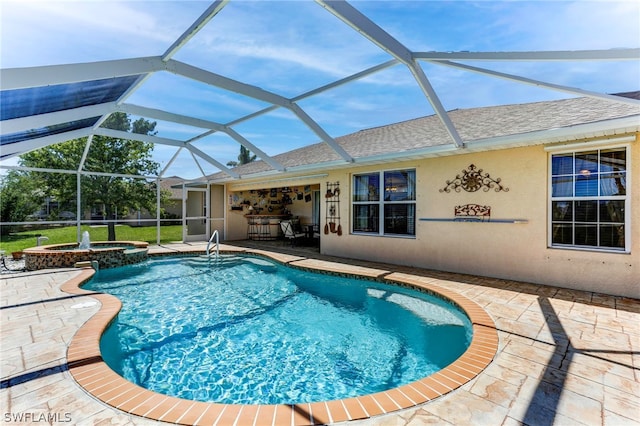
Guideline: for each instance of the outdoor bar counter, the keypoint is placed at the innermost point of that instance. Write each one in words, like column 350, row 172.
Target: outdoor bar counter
column 264, row 226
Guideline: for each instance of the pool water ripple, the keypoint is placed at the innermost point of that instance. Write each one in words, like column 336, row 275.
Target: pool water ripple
column 252, row 332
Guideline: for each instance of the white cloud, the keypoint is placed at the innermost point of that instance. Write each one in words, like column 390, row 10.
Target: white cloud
column 262, row 37
column 568, row 25
column 51, row 32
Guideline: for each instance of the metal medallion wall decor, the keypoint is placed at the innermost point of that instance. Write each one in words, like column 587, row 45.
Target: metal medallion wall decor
column 472, row 179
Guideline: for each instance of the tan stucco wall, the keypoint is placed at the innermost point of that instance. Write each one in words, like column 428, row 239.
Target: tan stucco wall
column 501, row 250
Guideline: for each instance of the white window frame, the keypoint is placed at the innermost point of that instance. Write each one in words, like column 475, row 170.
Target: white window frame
column 578, row 149
column 382, row 203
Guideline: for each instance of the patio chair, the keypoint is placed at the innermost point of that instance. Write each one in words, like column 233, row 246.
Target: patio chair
column 289, row 234
column 315, row 233
column 252, row 228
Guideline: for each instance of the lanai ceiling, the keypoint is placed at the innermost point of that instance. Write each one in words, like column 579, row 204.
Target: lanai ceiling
column 44, row 105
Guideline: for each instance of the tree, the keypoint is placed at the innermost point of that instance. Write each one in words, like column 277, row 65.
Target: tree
column 106, row 155
column 18, row 198
column 245, row 157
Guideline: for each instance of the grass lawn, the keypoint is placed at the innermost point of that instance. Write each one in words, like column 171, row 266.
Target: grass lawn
column 22, row 240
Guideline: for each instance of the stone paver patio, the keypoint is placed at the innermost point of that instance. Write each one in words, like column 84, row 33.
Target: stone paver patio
column 565, row 357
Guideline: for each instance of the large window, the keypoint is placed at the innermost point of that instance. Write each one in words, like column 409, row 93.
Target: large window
column 384, row 203
column 589, row 199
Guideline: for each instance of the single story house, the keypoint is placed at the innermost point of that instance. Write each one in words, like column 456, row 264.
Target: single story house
column 544, row 192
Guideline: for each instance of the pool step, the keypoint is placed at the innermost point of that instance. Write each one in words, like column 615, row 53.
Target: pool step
column 87, row 264
column 131, row 252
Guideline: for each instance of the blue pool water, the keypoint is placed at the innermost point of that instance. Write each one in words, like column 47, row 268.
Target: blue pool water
column 247, row 331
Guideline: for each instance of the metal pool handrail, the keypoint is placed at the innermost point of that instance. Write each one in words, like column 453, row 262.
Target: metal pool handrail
column 217, row 245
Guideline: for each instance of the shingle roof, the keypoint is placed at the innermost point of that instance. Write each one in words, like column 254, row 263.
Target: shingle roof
column 170, row 184
column 472, row 124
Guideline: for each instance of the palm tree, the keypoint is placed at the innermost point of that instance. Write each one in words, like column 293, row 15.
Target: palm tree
column 245, row 157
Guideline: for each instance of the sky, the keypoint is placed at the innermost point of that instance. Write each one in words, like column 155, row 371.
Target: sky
column 291, row 47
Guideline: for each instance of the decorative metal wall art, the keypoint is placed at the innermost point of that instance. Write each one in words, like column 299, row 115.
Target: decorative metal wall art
column 332, row 198
column 472, row 179
column 472, row 212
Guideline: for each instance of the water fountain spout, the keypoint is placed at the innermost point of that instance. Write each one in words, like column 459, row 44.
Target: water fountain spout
column 86, row 243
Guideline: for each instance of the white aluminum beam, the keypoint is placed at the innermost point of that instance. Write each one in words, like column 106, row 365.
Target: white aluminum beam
column 197, row 122
column 170, row 162
column 123, row 175
column 162, row 141
column 102, row 131
column 349, row 79
column 195, row 160
column 557, row 87
column 132, row 89
column 256, row 93
column 105, row 69
column 213, row 161
column 16, row 148
column 253, row 115
column 201, row 136
column 318, row 90
column 433, row 98
column 159, row 114
column 199, row 23
column 253, row 148
column 374, row 33
column 177, row 45
column 245, row 142
column 85, row 153
column 213, row 79
column 31, row 122
column 306, row 119
column 101, row 121
column 558, row 55
column 20, row 78
column 38, row 169
column 320, row 132
column 356, row 20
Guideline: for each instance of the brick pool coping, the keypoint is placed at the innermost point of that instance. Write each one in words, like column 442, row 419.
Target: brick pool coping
column 87, row 367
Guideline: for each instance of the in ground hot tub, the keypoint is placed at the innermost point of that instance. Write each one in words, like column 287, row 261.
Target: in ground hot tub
column 108, row 254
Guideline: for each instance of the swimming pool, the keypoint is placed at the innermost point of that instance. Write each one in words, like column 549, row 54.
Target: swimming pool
column 248, row 331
